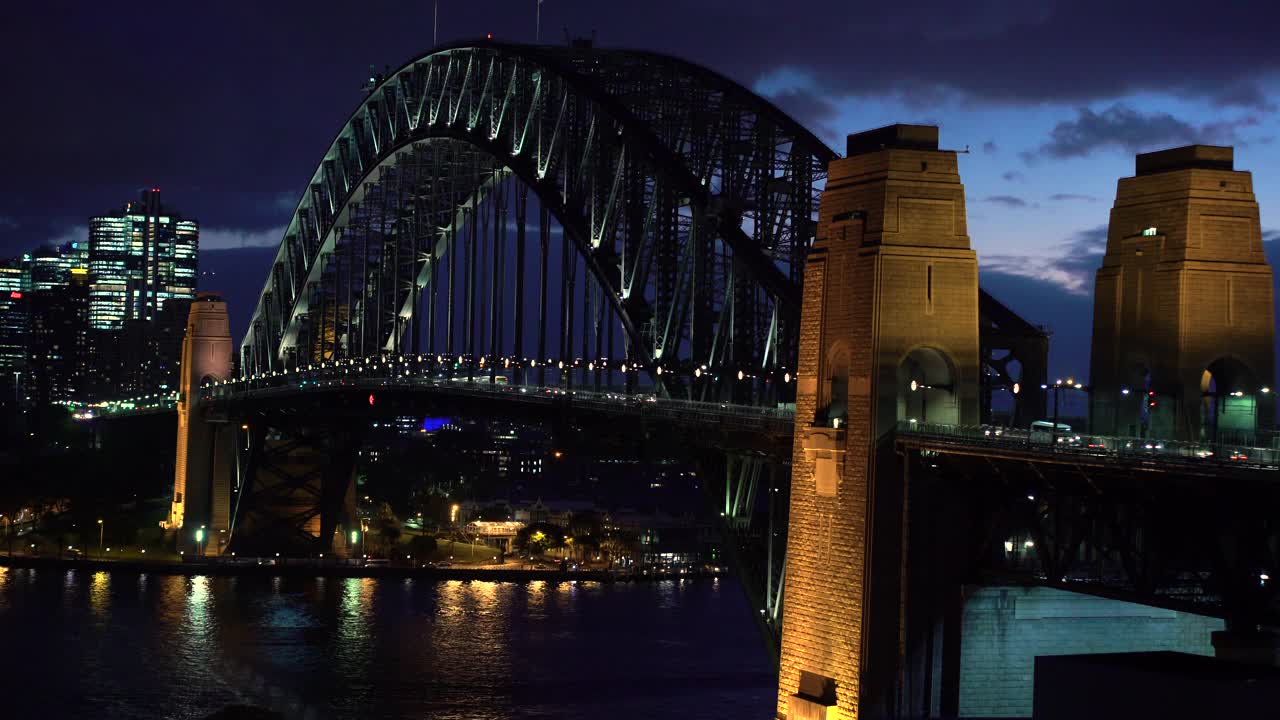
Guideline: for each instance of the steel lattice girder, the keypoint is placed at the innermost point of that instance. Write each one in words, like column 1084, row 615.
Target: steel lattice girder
column 690, row 199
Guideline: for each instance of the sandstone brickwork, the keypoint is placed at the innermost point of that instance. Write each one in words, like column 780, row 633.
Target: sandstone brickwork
column 1184, row 287
column 891, row 280
column 201, row 483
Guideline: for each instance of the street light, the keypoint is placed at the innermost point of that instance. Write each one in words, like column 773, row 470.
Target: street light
column 99, row 537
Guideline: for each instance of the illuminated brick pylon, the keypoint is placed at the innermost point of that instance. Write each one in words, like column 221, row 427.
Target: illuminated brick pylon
column 1183, row 314
column 889, row 332
column 201, row 510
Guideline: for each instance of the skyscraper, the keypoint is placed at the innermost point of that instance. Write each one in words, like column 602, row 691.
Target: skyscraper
column 58, row 340
column 53, row 267
column 15, row 319
column 140, row 258
column 142, row 275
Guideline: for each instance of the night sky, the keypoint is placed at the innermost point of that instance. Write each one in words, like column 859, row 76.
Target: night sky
column 229, row 106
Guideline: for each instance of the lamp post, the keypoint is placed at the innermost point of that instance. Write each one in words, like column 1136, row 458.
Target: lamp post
column 924, row 400
column 1115, row 412
column 1058, row 387
column 100, row 537
column 923, row 389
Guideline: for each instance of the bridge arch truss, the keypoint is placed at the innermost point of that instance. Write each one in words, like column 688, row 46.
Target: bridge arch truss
column 685, row 205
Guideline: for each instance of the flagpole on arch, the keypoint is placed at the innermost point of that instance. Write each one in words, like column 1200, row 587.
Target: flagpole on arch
column 537, row 33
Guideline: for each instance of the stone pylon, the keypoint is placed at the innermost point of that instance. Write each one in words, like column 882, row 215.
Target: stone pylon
column 200, row 514
column 889, row 333
column 1183, row 314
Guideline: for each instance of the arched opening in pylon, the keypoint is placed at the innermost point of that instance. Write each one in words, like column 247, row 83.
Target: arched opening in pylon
column 926, row 388
column 1228, row 400
column 833, row 391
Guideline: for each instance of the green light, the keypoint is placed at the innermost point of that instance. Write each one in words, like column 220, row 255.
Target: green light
column 200, row 535
column 354, row 535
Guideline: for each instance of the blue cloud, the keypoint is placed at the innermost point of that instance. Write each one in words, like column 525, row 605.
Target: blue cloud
column 1120, row 126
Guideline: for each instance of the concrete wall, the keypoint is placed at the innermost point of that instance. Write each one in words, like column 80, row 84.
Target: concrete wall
column 1005, row 628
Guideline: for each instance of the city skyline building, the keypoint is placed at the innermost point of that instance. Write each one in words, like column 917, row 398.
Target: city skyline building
column 140, row 258
column 143, row 270
column 15, row 288
column 55, row 267
column 59, row 339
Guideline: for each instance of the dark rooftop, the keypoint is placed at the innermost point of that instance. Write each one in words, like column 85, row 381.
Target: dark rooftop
column 913, row 137
column 1206, row 157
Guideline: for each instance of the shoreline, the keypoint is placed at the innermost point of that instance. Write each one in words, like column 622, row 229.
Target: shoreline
column 302, row 567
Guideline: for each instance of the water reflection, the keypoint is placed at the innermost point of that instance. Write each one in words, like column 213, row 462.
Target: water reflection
column 353, row 626
column 359, row 647
column 100, row 593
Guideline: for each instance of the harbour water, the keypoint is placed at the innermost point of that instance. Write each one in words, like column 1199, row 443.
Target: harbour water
column 81, row 643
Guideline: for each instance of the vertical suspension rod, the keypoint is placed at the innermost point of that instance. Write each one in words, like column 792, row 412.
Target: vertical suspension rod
column 351, row 281
column 324, row 310
column 495, row 278
column 522, row 198
column 364, row 284
column 472, row 251
column 450, row 257
column 566, row 310
column 544, row 239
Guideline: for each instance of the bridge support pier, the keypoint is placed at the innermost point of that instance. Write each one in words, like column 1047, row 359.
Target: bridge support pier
column 753, row 529
column 298, row 496
column 200, row 514
column 889, row 332
column 1183, row 318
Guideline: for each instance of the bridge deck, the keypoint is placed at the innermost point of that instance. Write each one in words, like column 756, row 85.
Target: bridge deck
column 1071, row 448
column 1204, row 458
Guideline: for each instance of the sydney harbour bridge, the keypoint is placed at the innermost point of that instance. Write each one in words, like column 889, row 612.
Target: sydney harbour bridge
column 639, row 251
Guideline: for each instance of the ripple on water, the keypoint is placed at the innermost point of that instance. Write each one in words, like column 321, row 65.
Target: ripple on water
column 121, row 645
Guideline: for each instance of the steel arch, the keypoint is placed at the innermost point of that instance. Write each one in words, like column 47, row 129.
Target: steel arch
column 689, row 198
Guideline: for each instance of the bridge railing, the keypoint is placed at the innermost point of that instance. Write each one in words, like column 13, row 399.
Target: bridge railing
column 382, row 376
column 1068, row 442
column 145, row 404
